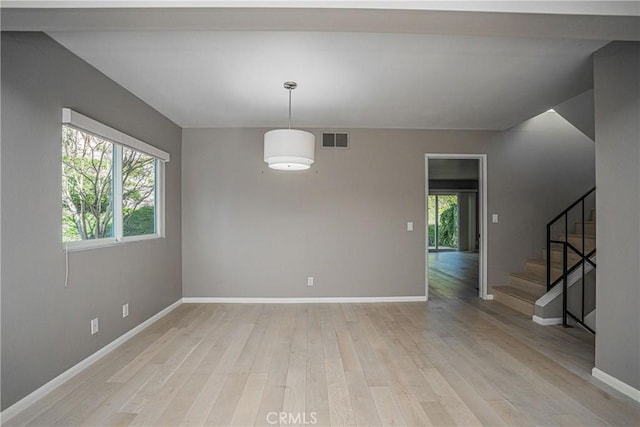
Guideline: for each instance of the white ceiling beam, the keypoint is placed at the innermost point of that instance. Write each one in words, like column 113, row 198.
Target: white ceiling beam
column 571, row 7
column 334, row 20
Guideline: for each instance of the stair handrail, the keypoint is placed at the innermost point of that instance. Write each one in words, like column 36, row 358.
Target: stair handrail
column 584, row 258
column 571, row 206
column 565, row 214
column 565, row 275
column 574, row 267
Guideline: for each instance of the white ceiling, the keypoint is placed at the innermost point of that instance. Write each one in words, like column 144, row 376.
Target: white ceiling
column 365, row 80
column 356, row 68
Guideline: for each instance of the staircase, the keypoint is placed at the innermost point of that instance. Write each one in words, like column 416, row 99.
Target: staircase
column 527, row 287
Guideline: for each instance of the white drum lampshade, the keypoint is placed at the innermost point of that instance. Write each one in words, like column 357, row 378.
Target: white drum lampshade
column 289, row 149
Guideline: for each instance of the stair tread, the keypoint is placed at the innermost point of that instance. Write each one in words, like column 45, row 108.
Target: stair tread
column 540, row 261
column 586, row 236
column 531, row 277
column 556, row 251
column 520, row 293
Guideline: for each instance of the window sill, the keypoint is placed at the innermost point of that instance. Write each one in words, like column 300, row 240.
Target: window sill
column 84, row 245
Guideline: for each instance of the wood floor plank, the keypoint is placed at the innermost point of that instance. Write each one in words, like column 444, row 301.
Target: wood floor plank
column 215, row 367
column 317, row 398
column 270, row 404
column 295, row 391
column 113, row 402
column 330, row 346
column 340, row 409
column 175, row 411
column 339, row 320
column 269, row 342
column 437, row 414
column 449, row 399
column 407, row 395
column 373, row 372
column 118, row 419
column 226, row 404
column 364, row 408
column 145, row 357
column 461, row 383
column 249, row 353
column 166, row 395
column 406, row 373
column 73, row 394
column 200, row 362
column 348, row 353
column 249, row 402
column 387, row 407
column 151, row 395
column 272, row 401
column 201, row 406
column 510, row 415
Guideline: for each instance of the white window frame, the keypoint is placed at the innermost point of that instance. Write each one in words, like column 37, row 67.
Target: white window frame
column 119, row 140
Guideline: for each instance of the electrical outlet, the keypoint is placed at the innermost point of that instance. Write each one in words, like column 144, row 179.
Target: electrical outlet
column 94, row 326
column 125, row 310
column 494, row 218
column 410, row 226
column 309, row 281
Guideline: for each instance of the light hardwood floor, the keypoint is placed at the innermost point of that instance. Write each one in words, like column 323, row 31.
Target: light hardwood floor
column 455, row 360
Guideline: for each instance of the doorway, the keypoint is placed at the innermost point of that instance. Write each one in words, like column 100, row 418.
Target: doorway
column 455, row 216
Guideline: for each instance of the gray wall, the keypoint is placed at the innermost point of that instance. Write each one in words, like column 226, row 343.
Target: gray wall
column 617, row 108
column 544, row 164
column 579, row 112
column 249, row 231
column 45, row 326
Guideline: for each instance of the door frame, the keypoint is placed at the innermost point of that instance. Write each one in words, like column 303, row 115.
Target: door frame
column 482, row 212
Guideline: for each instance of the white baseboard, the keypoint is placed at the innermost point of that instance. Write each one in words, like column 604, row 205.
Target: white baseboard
column 33, row 397
column 546, row 321
column 615, row 383
column 296, row 300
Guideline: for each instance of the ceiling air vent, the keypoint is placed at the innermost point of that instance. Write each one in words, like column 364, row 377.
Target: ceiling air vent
column 335, row 140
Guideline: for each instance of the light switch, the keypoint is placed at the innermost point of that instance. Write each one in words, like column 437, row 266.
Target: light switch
column 410, row 226
column 494, row 218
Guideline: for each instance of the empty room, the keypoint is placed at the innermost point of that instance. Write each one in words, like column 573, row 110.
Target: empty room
column 346, row 213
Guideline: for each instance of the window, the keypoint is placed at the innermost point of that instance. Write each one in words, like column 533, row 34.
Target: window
column 112, row 185
column 443, row 221
column 138, row 193
column 87, row 186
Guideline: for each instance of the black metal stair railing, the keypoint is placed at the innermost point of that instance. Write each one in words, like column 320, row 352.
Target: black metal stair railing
column 584, row 258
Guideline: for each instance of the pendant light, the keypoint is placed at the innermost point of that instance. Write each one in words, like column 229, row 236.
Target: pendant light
column 289, row 149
